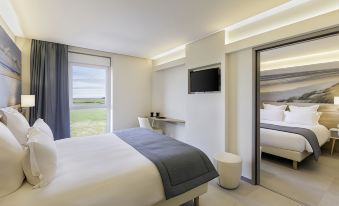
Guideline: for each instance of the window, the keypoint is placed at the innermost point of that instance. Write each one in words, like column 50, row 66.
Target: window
column 90, row 111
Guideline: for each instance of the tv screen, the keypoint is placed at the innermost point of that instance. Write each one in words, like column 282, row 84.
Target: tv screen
column 207, row 80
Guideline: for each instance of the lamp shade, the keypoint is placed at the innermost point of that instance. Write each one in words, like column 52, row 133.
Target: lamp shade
column 27, row 100
column 336, row 100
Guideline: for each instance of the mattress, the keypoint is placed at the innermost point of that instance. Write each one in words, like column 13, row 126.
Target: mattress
column 99, row 170
column 290, row 141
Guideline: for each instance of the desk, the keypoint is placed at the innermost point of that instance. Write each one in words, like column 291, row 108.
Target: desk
column 170, row 120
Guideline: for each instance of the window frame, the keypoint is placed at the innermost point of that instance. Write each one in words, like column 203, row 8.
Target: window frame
column 106, row 105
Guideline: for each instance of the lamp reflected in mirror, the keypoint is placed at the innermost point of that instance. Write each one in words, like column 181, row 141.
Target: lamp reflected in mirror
column 336, row 100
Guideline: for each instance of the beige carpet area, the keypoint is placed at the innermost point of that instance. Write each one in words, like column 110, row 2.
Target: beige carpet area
column 314, row 183
column 245, row 195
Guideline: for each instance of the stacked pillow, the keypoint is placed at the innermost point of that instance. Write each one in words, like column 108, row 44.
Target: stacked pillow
column 275, row 107
column 313, row 108
column 303, row 115
column 272, row 115
column 16, row 123
column 40, row 160
column 25, row 151
column 11, row 154
column 297, row 115
column 272, row 112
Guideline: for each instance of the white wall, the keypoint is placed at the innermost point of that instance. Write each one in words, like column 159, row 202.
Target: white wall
column 205, row 126
column 169, row 93
column 131, row 90
column 240, row 107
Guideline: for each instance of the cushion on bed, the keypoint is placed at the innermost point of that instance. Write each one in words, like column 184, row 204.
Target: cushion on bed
column 275, row 107
column 26, row 165
column 11, row 154
column 271, row 115
column 312, row 108
column 302, row 117
column 16, row 123
column 40, row 162
column 42, row 126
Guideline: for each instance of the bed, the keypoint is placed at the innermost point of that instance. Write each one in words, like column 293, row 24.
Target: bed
column 102, row 170
column 294, row 146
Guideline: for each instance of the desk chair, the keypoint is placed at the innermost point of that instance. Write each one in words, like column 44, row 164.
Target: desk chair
column 144, row 123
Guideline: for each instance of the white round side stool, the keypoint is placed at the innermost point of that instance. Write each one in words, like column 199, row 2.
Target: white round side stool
column 229, row 169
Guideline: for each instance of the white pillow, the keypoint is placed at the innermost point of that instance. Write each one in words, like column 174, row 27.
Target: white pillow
column 11, row 154
column 271, row 115
column 275, row 107
column 42, row 126
column 312, row 108
column 303, row 117
column 16, row 123
column 26, row 165
column 41, row 166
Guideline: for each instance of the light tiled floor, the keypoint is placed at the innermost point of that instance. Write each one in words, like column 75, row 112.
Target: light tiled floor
column 245, row 195
column 314, row 183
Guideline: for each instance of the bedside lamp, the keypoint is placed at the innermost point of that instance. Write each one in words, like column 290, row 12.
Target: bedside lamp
column 336, row 100
column 26, row 102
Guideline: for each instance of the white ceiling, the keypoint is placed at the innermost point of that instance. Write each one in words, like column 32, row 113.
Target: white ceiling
column 143, row 28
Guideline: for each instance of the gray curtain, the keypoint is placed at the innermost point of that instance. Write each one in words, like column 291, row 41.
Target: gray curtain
column 49, row 84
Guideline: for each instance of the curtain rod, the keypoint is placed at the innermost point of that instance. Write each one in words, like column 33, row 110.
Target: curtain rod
column 89, row 54
column 110, row 59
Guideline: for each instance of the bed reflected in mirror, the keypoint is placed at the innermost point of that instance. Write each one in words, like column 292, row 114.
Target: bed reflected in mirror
column 299, row 117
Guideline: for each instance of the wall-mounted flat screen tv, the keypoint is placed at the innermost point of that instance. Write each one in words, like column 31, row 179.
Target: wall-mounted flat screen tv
column 204, row 80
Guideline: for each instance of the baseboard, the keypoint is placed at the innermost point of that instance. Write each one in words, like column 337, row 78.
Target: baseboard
column 247, row 180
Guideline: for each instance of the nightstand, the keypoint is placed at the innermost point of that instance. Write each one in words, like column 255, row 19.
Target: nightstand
column 334, row 137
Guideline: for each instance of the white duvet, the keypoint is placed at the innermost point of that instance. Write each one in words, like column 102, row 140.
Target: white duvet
column 95, row 171
column 291, row 141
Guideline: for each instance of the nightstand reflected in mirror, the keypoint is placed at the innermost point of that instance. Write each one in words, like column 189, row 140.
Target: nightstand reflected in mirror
column 334, row 137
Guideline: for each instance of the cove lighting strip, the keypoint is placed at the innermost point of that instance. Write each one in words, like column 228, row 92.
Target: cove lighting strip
column 265, row 14
column 317, row 58
column 172, row 51
column 322, row 8
column 301, row 57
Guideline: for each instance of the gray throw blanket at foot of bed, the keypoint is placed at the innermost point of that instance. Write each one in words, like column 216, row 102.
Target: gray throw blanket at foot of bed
column 181, row 166
column 307, row 133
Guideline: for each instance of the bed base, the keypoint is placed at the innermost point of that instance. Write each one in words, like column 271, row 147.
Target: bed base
column 295, row 156
column 185, row 197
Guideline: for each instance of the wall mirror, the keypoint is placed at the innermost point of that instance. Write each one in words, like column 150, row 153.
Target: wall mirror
column 298, row 114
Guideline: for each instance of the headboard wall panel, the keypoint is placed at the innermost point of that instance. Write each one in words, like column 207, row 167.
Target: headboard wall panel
column 10, row 71
column 330, row 112
column 10, row 90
